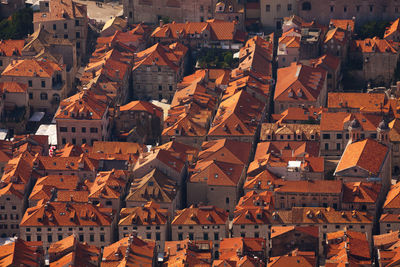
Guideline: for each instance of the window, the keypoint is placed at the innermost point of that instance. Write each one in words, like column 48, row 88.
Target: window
column 326, row 136
column 38, row 238
column 345, row 9
column 347, row 136
column 191, row 236
column 180, row 236
column 54, row 27
column 65, row 26
column 28, row 238
column 159, row 87
column 306, row 6
column 76, row 22
column 216, row 236
column 78, row 35
column 30, row 83
column 337, row 146
column 108, row 203
column 78, row 45
column 74, row 141
column 337, row 226
column 148, row 235
column 43, row 84
column 158, row 236
column 371, row 8
column 326, row 146
column 267, row 8
column 43, row 96
column 73, row 129
column 30, row 96
column 278, row 8
column 339, row 136
column 102, row 238
column 59, row 237
column 65, row 36
column 170, row 87
column 205, row 236
column 289, row 7
column 256, row 234
column 93, row 130
column 227, row 200
column 358, row 8
column 49, row 238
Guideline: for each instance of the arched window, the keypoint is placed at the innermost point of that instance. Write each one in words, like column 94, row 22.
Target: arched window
column 306, row 6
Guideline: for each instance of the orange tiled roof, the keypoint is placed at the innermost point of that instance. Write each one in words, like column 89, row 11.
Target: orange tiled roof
column 225, row 150
column 170, row 159
column 353, row 250
column 21, row 253
column 393, row 197
column 203, row 215
column 339, row 121
column 108, row 147
column 256, row 56
column 61, row 10
column 229, row 247
column 363, row 101
column 161, row 55
column 280, row 230
column 142, row 106
column 238, row 115
column 214, row 172
column 299, row 83
column 317, row 187
column 326, row 61
column 129, row 251
column 375, row 45
column 13, row 87
column 32, row 68
column 361, row 192
column 394, row 27
column 387, row 239
column 45, row 186
column 297, row 258
column 149, row 214
column 218, row 30
column 336, row 34
column 11, row 48
column 66, row 163
column 344, row 24
column 11, row 189
column 19, row 169
column 253, row 199
column 298, row 115
column 66, row 214
column 265, row 180
column 154, row 186
column 83, row 105
column 290, row 41
column 107, row 185
column 367, row 154
column 185, row 152
column 69, row 251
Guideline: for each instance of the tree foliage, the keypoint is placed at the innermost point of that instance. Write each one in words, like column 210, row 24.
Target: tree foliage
column 216, row 58
column 372, row 29
column 18, row 26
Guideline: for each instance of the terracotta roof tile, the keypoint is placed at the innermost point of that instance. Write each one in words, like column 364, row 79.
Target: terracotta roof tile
column 375, row 45
column 13, row 87
column 66, row 214
column 393, row 197
column 225, row 150
column 10, row 48
column 394, row 27
column 297, row 258
column 299, row 83
column 363, row 101
column 361, row 192
column 61, row 10
column 340, row 121
column 140, row 252
column 143, row 106
column 368, row 155
column 203, row 215
column 149, row 214
column 344, row 24
column 21, row 253
column 32, row 68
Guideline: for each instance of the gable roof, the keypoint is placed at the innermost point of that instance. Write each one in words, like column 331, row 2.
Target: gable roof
column 299, row 83
column 367, row 154
column 149, row 214
column 203, row 215
column 32, row 68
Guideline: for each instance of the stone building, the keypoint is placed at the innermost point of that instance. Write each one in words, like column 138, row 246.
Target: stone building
column 53, row 221
column 65, row 19
column 92, row 113
column 166, row 63
column 137, row 121
column 152, row 11
column 362, row 11
column 11, row 209
column 46, row 80
column 273, row 12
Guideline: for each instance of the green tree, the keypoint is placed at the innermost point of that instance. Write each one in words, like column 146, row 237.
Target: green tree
column 18, row 26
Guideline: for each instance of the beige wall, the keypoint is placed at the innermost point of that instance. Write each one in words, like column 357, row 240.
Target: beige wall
column 285, row 200
column 199, row 230
column 277, row 11
column 146, row 232
column 102, row 134
column 59, row 232
column 11, row 213
column 138, row 11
